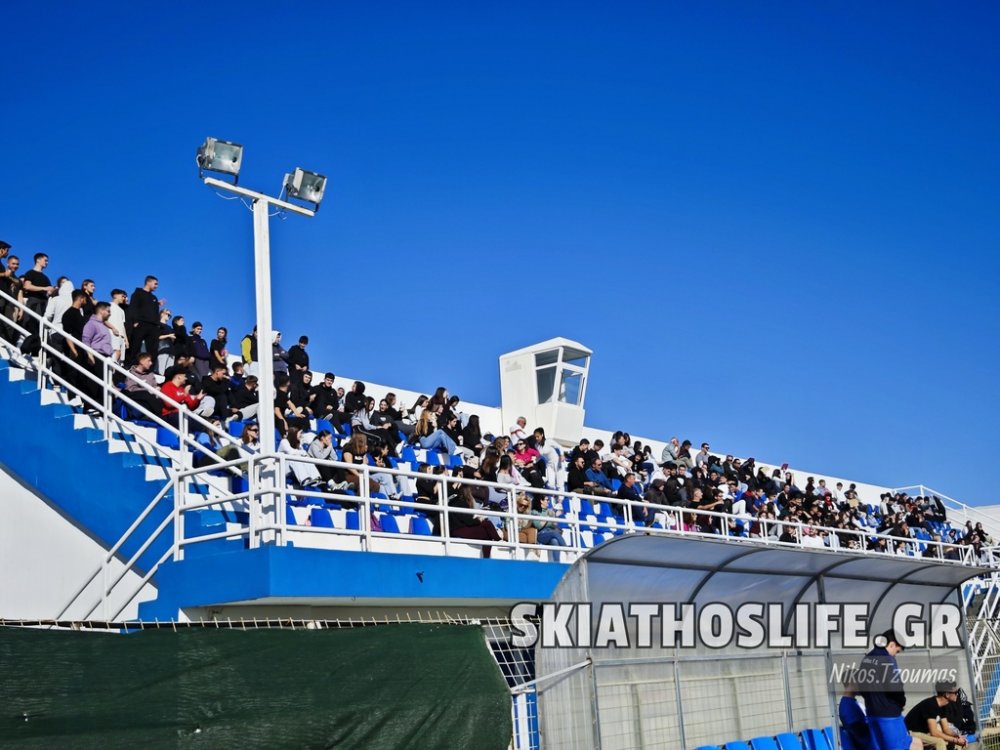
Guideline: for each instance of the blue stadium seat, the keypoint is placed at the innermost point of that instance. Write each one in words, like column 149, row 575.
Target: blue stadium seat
column 324, row 424
column 434, row 458
column 420, row 526
column 707, row 747
column 388, row 522
column 320, row 518
column 763, row 743
column 828, row 731
column 289, row 516
column 457, row 462
column 167, row 439
column 815, row 739
column 408, row 455
column 737, row 745
column 236, row 428
column 353, row 520
column 788, row 741
column 586, row 509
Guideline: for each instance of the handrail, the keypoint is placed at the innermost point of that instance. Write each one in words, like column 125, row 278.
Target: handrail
column 959, row 506
column 108, row 389
column 509, row 517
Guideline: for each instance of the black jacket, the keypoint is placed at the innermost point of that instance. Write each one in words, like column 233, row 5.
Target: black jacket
column 144, row 307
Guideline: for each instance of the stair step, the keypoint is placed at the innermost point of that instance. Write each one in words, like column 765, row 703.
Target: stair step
column 27, row 386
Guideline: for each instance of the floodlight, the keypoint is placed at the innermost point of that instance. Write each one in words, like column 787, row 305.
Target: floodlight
column 305, row 186
column 220, row 156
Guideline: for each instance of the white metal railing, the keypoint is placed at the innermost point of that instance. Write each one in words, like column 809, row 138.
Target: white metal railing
column 966, row 512
column 50, row 367
column 268, row 497
column 188, row 423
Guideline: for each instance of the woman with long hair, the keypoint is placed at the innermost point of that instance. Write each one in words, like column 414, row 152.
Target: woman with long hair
column 428, row 435
column 306, row 474
column 356, row 452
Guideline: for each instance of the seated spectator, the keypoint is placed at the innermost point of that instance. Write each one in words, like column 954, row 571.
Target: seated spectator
column 238, row 376
column 642, row 514
column 472, row 437
column 176, row 387
column 597, row 481
column 356, row 452
column 301, row 392
column 469, row 526
column 431, row 491
column 508, row 474
column 519, row 430
column 549, row 532
column 286, row 412
column 306, row 474
column 615, row 461
column 322, row 448
column 384, row 426
column 379, row 458
column 429, row 436
column 215, row 387
column 244, row 400
column 142, row 372
column 529, row 463
column 325, row 403
column 526, row 531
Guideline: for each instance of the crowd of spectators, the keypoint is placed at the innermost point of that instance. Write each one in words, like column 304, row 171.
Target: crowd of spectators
column 678, row 488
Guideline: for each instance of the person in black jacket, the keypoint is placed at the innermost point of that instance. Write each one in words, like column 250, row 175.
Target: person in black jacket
column 880, row 684
column 298, row 359
column 144, row 320
column 216, row 387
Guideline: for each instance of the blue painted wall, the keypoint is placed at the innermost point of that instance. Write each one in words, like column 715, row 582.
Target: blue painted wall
column 102, row 493
column 310, row 573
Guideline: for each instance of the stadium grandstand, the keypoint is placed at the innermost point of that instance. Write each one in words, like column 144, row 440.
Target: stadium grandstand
column 136, row 498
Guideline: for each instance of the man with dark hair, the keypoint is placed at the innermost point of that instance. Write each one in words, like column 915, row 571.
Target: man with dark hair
column 11, row 286
column 244, row 399
column 928, row 720
column 144, row 320
column 97, row 336
column 882, row 687
column 37, row 290
column 215, row 386
column 597, row 481
column 324, row 401
column 142, row 370
column 298, row 359
column 176, row 387
column 199, row 347
column 72, row 326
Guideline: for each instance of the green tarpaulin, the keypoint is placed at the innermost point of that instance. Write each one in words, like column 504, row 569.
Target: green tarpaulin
column 391, row 686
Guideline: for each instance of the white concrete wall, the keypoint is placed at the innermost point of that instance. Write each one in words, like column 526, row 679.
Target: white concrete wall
column 45, row 559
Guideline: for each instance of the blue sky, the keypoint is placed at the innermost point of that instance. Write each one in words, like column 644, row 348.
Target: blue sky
column 774, row 223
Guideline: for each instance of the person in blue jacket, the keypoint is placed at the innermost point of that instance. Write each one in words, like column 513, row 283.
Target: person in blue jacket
column 882, row 688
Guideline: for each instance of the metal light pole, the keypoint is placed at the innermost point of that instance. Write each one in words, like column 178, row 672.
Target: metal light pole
column 262, row 266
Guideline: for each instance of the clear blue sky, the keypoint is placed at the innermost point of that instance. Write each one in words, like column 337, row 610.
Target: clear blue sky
column 776, row 224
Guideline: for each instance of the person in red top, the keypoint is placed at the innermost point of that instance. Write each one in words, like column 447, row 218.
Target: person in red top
column 177, row 388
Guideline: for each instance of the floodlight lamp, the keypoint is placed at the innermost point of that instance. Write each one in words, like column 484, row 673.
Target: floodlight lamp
column 220, row 156
column 305, row 186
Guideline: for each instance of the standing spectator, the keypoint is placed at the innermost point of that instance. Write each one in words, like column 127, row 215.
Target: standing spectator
column 217, row 349
column 248, row 350
column 72, row 326
column 97, row 336
column 298, row 359
column 883, row 693
column 116, row 322
column 10, row 285
column 182, row 341
column 90, row 306
column 144, row 317
column 199, row 347
column 279, row 355
column 165, row 343
column 37, row 290
column 60, row 302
